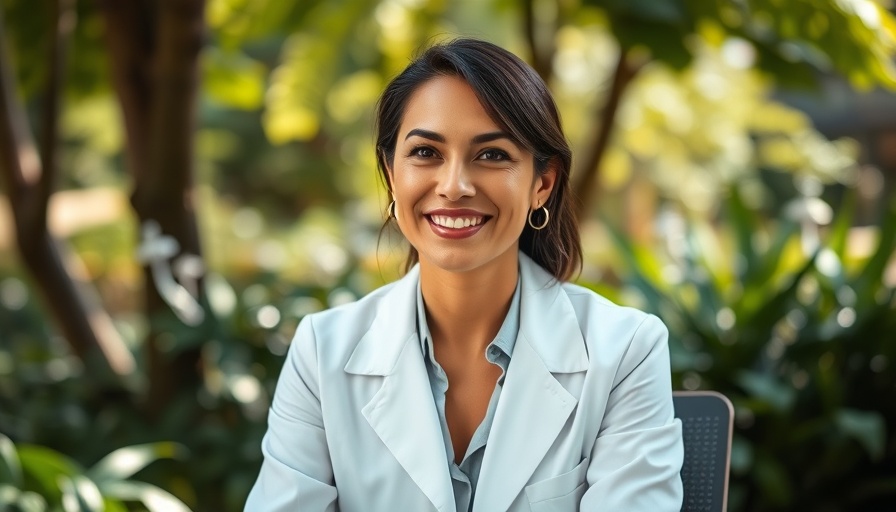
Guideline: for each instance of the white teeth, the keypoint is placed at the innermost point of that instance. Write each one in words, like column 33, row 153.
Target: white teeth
column 456, row 222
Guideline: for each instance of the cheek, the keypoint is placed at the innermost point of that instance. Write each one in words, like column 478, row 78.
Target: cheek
column 407, row 190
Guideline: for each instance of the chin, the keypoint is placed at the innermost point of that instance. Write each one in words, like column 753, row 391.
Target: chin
column 463, row 261
column 457, row 261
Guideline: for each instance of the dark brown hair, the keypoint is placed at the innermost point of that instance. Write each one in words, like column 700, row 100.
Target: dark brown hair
column 518, row 100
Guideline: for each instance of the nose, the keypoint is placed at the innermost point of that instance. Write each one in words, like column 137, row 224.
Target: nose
column 454, row 181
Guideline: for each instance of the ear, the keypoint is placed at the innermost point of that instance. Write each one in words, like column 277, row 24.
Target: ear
column 544, row 185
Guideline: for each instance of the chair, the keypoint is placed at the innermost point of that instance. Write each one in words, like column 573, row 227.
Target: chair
column 707, row 421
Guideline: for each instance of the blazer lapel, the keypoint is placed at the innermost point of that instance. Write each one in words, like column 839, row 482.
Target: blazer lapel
column 534, row 406
column 402, row 412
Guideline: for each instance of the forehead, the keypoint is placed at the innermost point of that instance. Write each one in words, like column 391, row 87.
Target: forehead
column 446, row 104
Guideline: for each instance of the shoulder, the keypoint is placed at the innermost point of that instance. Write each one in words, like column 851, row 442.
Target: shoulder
column 353, row 316
column 330, row 336
column 614, row 333
column 591, row 306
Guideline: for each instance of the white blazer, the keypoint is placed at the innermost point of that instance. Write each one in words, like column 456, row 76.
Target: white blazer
column 584, row 422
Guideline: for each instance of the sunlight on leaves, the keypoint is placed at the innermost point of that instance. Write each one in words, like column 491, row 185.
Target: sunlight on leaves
column 124, row 462
column 233, row 79
column 80, row 494
column 155, row 499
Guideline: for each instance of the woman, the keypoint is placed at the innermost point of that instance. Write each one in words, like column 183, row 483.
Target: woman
column 482, row 380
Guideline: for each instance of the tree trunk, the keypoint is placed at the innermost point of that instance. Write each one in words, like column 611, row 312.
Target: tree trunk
column 29, row 183
column 542, row 54
column 154, row 49
column 587, row 174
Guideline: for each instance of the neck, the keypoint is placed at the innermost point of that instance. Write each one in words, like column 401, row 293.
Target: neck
column 465, row 310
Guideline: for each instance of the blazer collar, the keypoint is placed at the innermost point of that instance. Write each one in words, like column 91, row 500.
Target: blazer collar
column 547, row 321
column 395, row 321
column 533, row 408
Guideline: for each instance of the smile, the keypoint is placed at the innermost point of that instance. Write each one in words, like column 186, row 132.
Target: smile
column 455, row 222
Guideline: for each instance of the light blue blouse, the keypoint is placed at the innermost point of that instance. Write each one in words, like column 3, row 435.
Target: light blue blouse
column 465, row 476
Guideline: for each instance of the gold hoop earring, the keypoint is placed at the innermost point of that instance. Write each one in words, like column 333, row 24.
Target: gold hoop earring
column 393, row 212
column 547, row 218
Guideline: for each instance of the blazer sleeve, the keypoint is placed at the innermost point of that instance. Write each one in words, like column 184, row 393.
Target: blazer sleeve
column 296, row 473
column 636, row 461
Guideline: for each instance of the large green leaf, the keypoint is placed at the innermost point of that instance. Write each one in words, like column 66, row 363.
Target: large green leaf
column 123, row 463
column 744, row 224
column 13, row 499
column 153, row 498
column 80, row 494
column 45, row 467
column 10, row 467
column 874, row 269
column 769, row 389
column 866, row 427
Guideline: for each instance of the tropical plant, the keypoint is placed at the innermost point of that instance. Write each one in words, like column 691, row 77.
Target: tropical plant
column 38, row 479
column 797, row 329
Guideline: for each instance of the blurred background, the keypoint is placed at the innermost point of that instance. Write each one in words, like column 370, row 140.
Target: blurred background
column 183, row 180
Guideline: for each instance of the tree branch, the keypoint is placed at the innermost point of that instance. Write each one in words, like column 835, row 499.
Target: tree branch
column 129, row 40
column 542, row 58
column 154, row 47
column 585, row 178
column 29, row 191
column 19, row 161
column 64, row 17
column 175, row 79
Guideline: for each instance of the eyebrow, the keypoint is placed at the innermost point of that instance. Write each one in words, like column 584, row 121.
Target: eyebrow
column 479, row 139
column 426, row 134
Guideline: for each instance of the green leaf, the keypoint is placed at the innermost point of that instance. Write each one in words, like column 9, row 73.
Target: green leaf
column 15, row 500
column 842, row 223
column 80, row 494
column 741, row 455
column 876, row 266
column 744, row 226
column 153, row 498
column 770, row 261
column 10, row 467
column 45, row 466
column 768, row 389
column 866, row 427
column 113, row 505
column 124, row 462
column 758, row 326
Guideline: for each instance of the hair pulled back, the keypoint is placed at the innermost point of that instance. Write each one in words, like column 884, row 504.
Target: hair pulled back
column 518, row 100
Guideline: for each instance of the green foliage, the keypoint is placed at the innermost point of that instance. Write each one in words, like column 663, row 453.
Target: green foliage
column 801, row 343
column 28, row 27
column 793, row 38
column 50, row 406
column 38, row 479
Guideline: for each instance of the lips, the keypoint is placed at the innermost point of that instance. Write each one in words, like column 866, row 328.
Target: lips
column 456, row 224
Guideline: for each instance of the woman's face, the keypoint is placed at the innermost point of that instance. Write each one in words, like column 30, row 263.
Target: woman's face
column 463, row 188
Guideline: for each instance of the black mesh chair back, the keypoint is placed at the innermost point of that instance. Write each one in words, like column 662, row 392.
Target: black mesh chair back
column 707, row 419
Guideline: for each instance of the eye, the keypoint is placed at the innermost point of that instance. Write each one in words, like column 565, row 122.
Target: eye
column 422, row 152
column 495, row 155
